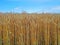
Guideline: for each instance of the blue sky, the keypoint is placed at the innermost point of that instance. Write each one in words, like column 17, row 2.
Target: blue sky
column 51, row 6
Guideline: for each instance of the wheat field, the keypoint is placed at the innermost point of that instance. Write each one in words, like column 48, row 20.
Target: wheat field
column 33, row 29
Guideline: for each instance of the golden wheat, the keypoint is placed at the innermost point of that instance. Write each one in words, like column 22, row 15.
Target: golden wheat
column 31, row 29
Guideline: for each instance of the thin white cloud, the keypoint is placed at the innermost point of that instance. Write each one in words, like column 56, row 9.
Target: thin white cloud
column 56, row 8
column 16, row 9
